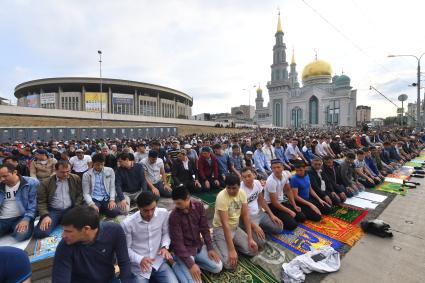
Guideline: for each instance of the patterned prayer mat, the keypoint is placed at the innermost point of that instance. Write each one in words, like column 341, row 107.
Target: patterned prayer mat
column 348, row 213
column 392, row 188
column 271, row 257
column 337, row 229
column 399, row 175
column 413, row 164
column 246, row 272
column 45, row 248
column 303, row 239
column 207, row 197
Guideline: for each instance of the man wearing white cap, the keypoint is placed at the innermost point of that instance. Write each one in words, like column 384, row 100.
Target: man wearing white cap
column 191, row 153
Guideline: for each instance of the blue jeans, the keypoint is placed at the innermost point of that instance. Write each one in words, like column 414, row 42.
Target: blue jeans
column 103, row 208
column 162, row 191
column 9, row 226
column 163, row 275
column 202, row 259
column 56, row 216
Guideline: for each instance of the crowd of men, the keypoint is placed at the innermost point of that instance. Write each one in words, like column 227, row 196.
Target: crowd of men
column 72, row 183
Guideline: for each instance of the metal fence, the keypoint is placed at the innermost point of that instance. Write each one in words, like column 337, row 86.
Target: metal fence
column 9, row 135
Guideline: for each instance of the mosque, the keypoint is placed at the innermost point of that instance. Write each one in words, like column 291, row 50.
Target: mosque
column 322, row 100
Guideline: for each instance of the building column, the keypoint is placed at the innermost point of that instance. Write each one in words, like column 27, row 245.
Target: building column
column 58, row 95
column 110, row 106
column 83, row 98
column 135, row 103
column 159, row 106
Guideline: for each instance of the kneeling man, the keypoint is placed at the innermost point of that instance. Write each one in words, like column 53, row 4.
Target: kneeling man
column 231, row 204
column 188, row 221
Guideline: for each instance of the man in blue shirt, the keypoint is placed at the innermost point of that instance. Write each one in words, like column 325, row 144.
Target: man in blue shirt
column 280, row 154
column 99, row 187
column 87, row 251
column 311, row 204
column 224, row 164
column 260, row 161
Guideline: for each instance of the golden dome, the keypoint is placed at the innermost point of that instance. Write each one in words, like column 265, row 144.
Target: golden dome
column 317, row 68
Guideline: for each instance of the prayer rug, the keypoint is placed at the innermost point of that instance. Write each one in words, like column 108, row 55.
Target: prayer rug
column 392, row 188
column 399, row 175
column 303, row 239
column 271, row 257
column 349, row 214
column 45, row 248
column 207, row 197
column 413, row 164
column 337, row 229
column 246, row 272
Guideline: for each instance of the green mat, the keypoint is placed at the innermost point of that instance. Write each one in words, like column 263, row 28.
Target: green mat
column 207, row 197
column 245, row 272
column 392, row 188
column 349, row 214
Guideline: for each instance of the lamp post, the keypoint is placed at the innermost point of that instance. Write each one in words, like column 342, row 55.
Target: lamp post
column 249, row 99
column 101, row 91
column 418, row 86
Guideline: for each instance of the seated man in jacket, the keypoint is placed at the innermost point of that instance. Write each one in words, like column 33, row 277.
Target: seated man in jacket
column 99, row 187
column 334, row 189
column 184, row 173
column 57, row 195
column 316, row 181
column 346, row 175
column 130, row 181
column 208, row 170
column 18, row 203
column 43, row 166
column 364, row 175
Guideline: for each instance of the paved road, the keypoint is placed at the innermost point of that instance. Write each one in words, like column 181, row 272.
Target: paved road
column 400, row 259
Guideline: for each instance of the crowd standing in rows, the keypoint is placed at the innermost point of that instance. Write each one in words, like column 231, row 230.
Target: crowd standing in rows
column 72, row 183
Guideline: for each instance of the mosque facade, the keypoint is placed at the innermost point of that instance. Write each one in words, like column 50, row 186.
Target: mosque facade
column 322, row 99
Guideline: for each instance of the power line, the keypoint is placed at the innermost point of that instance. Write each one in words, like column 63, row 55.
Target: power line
column 351, row 41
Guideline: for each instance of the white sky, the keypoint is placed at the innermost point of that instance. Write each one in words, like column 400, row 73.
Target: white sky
column 212, row 49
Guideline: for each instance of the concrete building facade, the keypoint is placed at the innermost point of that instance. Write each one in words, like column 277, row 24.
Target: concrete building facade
column 363, row 114
column 117, row 97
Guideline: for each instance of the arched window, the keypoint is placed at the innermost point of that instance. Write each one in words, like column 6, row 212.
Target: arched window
column 313, row 106
column 296, row 117
column 278, row 114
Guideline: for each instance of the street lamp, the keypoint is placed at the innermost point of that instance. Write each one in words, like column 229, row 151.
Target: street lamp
column 249, row 99
column 418, row 85
column 101, row 91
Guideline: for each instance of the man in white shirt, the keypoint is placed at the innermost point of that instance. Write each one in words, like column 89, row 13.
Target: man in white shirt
column 18, row 203
column 261, row 221
column 141, row 153
column 155, row 174
column 320, row 149
column 280, row 198
column 293, row 153
column 80, row 163
column 268, row 150
column 148, row 241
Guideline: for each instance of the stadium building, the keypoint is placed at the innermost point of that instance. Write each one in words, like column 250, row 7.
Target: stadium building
column 117, row 97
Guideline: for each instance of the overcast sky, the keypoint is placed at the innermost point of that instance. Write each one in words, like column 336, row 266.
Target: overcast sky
column 211, row 50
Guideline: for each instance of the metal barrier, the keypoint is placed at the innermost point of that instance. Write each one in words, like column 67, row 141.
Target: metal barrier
column 10, row 135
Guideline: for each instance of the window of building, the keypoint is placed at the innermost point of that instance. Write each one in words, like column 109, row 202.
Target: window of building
column 313, row 110
column 332, row 112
